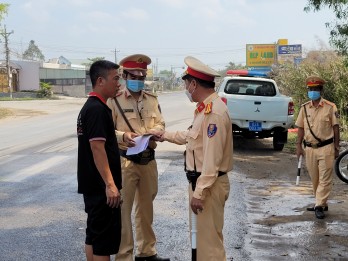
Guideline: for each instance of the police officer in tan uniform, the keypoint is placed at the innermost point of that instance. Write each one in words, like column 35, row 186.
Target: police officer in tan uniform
column 208, row 158
column 136, row 111
column 318, row 133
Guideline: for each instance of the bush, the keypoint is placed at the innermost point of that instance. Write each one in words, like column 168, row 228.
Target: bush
column 329, row 66
column 45, row 90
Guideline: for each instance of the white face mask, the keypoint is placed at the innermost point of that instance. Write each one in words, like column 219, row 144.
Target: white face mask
column 188, row 94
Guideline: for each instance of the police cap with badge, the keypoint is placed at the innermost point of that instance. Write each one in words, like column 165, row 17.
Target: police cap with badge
column 199, row 70
column 314, row 81
column 136, row 64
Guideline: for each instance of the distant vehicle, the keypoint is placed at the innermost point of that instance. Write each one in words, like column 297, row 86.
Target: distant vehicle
column 256, row 107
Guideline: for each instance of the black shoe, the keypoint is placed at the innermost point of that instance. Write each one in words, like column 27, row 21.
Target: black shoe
column 326, row 208
column 319, row 212
column 151, row 258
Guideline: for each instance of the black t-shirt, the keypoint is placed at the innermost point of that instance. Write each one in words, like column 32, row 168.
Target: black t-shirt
column 95, row 122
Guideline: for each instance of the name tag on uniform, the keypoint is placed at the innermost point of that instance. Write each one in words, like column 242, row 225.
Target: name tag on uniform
column 128, row 110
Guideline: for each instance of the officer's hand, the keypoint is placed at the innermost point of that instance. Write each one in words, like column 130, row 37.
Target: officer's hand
column 299, row 151
column 128, row 138
column 196, row 205
column 157, row 135
column 113, row 197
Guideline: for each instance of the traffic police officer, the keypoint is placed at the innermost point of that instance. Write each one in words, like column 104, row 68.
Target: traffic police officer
column 208, row 158
column 136, row 112
column 318, row 132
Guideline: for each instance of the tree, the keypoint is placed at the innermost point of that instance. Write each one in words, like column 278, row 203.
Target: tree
column 339, row 28
column 3, row 10
column 328, row 65
column 92, row 60
column 33, row 52
column 231, row 66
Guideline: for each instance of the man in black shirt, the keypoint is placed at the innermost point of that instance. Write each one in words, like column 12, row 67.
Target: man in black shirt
column 99, row 169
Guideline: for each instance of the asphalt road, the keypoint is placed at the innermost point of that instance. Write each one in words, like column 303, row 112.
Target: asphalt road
column 42, row 217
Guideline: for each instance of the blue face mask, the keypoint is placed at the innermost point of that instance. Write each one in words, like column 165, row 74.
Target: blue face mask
column 135, row 85
column 313, row 95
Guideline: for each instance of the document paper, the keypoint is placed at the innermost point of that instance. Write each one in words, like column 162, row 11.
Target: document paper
column 141, row 143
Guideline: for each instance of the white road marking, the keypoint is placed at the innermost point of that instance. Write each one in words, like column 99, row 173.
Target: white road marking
column 34, row 169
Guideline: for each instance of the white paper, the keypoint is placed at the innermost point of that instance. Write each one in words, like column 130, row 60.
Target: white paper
column 141, row 143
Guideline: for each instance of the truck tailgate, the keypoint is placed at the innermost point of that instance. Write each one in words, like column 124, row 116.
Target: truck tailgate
column 254, row 108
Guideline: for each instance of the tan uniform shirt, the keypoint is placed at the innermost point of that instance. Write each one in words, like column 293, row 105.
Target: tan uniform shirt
column 209, row 144
column 321, row 120
column 143, row 115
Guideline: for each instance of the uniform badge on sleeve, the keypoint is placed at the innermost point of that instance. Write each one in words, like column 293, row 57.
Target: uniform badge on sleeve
column 211, row 130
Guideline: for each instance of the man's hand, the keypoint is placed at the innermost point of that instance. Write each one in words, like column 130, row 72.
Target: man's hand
column 299, row 150
column 196, row 205
column 113, row 197
column 157, row 135
column 128, row 138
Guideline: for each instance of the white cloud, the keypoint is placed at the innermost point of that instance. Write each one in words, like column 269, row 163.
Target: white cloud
column 136, row 14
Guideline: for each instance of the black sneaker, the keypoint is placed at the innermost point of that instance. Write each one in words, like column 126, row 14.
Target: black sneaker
column 326, row 208
column 151, row 258
column 319, row 212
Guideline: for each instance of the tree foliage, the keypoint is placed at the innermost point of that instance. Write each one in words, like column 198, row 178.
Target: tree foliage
column 338, row 28
column 92, row 60
column 3, row 10
column 231, row 66
column 33, row 52
column 329, row 66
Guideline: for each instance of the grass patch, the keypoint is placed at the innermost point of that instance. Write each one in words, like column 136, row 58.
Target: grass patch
column 18, row 99
column 291, row 144
column 27, row 98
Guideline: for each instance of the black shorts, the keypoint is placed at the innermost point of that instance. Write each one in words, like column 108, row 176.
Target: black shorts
column 103, row 230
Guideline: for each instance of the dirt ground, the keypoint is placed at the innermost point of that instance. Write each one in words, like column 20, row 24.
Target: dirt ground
column 279, row 227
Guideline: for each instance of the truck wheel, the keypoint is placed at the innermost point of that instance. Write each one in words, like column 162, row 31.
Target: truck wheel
column 278, row 141
column 277, row 146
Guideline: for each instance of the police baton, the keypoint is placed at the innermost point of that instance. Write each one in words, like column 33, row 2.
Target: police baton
column 299, row 170
column 193, row 228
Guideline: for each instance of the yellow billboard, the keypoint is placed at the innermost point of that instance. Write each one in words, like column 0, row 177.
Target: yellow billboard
column 149, row 73
column 260, row 55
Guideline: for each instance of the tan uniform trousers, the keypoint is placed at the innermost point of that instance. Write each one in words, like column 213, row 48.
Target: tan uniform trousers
column 140, row 185
column 210, row 222
column 319, row 163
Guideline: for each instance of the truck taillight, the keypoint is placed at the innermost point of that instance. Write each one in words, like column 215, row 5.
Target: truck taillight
column 291, row 108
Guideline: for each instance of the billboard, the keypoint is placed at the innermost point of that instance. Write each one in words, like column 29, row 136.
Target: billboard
column 260, row 55
column 288, row 53
column 290, row 49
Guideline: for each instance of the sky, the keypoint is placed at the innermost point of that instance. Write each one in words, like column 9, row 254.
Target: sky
column 214, row 31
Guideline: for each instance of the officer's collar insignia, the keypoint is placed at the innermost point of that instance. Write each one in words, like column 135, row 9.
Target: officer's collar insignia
column 208, row 108
column 200, row 107
column 212, row 129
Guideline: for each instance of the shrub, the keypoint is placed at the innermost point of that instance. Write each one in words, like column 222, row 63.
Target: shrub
column 45, row 90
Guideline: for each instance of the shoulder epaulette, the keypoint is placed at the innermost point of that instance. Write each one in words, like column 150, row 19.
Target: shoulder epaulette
column 150, row 94
column 305, row 103
column 329, row 103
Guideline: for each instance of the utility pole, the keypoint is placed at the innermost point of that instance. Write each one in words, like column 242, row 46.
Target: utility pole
column 116, row 51
column 6, row 34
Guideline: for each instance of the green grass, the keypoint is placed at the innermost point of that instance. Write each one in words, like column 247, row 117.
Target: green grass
column 27, row 98
column 291, row 144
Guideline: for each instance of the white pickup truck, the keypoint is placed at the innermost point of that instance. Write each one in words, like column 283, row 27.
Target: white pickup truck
column 257, row 108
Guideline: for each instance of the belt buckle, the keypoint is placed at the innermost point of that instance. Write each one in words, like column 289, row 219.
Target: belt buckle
column 314, row 146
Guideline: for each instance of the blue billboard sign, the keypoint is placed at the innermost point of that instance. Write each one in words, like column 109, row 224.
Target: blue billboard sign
column 290, row 49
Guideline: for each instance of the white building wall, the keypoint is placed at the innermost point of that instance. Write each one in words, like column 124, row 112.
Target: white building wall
column 29, row 75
